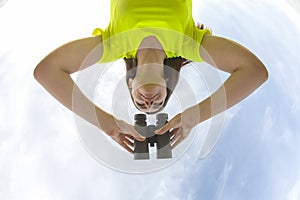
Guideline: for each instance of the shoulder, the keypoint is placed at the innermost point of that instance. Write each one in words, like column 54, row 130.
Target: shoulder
column 225, row 54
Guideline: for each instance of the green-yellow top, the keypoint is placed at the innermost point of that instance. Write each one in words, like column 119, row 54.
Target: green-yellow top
column 170, row 21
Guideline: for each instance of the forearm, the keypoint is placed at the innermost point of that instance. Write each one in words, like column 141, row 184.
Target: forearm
column 241, row 83
column 61, row 86
column 247, row 74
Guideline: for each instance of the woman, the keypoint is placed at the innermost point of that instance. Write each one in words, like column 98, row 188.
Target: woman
column 149, row 35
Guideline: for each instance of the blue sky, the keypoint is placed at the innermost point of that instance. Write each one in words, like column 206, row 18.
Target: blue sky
column 256, row 157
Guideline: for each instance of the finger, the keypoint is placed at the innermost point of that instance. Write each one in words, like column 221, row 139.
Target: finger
column 174, row 133
column 130, row 130
column 164, row 129
column 119, row 138
column 127, row 137
column 176, row 137
column 179, row 139
column 128, row 142
column 137, row 135
column 130, row 137
column 174, row 145
column 127, row 148
column 174, row 123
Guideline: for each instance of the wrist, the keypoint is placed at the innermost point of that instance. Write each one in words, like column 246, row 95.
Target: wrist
column 191, row 116
column 105, row 120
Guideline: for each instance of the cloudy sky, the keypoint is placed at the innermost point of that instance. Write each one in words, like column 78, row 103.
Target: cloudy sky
column 256, row 157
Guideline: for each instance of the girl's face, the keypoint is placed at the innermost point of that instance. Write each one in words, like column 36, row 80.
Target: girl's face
column 148, row 96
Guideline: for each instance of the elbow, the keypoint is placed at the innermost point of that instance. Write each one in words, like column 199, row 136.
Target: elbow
column 258, row 72
column 262, row 73
column 44, row 70
column 39, row 72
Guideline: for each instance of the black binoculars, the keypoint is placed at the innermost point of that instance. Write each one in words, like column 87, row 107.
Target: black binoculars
column 163, row 145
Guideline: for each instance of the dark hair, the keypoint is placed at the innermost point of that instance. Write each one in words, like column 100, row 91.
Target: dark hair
column 172, row 68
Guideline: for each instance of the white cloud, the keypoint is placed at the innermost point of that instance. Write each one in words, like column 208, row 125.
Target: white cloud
column 269, row 123
column 294, row 193
column 223, row 179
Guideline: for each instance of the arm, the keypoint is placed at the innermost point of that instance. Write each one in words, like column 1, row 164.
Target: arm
column 53, row 73
column 247, row 74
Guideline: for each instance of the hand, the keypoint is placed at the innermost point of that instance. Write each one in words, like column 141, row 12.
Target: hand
column 180, row 126
column 121, row 132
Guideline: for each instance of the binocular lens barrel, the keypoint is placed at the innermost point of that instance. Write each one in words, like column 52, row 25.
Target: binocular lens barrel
column 141, row 149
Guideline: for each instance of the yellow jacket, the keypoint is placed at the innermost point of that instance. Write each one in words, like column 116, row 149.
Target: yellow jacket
column 170, row 21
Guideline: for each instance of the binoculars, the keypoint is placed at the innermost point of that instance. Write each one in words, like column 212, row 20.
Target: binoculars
column 163, row 145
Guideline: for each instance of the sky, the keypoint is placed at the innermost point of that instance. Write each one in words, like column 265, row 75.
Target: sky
column 256, row 157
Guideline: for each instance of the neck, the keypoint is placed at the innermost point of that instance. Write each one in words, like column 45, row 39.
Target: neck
column 150, row 62
column 147, row 56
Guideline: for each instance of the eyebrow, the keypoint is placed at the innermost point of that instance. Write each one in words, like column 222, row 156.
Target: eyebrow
column 159, row 104
column 155, row 106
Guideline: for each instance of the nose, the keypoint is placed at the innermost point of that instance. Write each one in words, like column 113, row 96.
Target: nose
column 148, row 99
column 148, row 103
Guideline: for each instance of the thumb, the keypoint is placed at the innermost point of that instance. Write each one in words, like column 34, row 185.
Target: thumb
column 138, row 136
column 163, row 129
column 126, row 128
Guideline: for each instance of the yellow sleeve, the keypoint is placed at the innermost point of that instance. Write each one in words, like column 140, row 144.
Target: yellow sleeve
column 97, row 31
